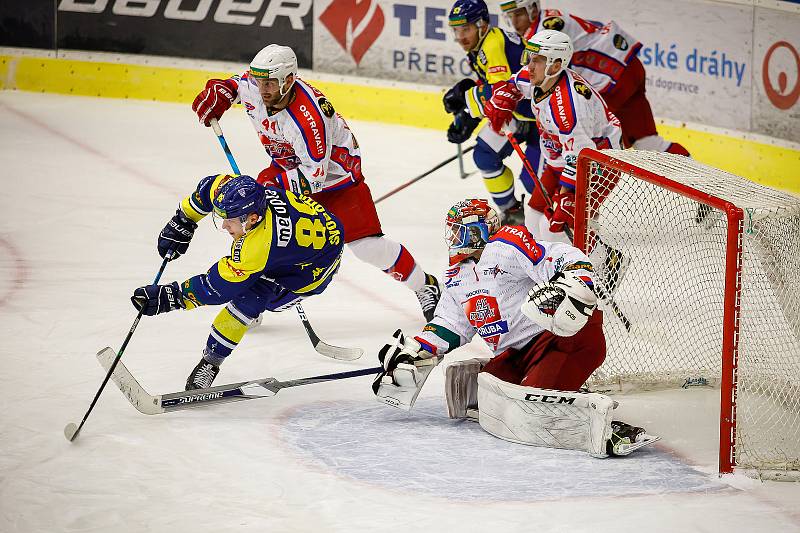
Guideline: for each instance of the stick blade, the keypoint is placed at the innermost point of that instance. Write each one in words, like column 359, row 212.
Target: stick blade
column 337, row 352
column 70, row 430
column 136, row 394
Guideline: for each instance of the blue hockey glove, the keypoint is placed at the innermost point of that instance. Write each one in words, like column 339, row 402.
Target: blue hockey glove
column 454, row 100
column 157, row 299
column 462, row 127
column 176, row 235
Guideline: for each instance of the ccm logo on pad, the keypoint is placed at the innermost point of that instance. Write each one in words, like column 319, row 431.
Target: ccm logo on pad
column 545, row 398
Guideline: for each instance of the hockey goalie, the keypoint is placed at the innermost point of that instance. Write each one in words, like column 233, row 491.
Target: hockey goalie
column 534, row 305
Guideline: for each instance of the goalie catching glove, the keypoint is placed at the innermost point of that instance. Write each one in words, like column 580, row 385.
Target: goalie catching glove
column 406, row 367
column 562, row 306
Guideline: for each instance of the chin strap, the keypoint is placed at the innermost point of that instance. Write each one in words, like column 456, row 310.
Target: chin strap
column 481, row 38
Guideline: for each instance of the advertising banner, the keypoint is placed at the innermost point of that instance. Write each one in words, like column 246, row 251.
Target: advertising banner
column 404, row 40
column 28, row 23
column 697, row 55
column 225, row 30
column 776, row 74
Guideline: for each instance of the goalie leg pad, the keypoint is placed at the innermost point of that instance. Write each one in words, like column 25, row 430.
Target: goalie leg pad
column 461, row 386
column 544, row 417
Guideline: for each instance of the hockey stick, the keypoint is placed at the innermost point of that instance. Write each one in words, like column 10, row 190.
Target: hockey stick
column 71, row 430
column 149, row 404
column 460, row 154
column 322, row 348
column 414, row 180
column 604, row 294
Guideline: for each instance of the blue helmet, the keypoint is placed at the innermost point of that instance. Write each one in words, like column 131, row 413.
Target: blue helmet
column 238, row 196
column 468, row 12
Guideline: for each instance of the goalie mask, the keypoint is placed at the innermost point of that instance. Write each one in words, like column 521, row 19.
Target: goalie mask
column 469, row 225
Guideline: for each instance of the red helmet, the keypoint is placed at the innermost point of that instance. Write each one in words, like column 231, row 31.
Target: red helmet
column 469, row 225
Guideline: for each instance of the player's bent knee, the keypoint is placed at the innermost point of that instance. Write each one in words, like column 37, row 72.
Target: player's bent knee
column 461, row 386
column 544, row 417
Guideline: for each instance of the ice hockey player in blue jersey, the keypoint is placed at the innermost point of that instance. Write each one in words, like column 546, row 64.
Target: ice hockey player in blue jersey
column 285, row 248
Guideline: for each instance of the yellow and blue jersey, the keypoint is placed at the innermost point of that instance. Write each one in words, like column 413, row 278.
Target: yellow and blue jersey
column 498, row 58
column 298, row 244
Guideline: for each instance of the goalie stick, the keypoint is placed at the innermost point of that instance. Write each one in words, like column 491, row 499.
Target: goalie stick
column 149, row 404
column 322, row 348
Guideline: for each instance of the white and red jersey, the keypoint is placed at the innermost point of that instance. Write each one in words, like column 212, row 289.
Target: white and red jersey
column 307, row 135
column 602, row 51
column 570, row 116
column 485, row 297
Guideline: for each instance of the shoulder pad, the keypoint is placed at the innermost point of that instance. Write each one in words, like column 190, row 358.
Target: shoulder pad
column 520, row 238
column 553, row 23
column 582, row 89
column 512, row 36
column 450, row 272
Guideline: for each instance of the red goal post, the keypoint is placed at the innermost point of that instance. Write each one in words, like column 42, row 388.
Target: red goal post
column 706, row 267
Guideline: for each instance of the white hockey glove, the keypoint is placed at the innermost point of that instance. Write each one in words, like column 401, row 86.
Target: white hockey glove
column 406, row 367
column 562, row 306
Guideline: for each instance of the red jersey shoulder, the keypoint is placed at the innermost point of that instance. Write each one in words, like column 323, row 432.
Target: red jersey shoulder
column 562, row 106
column 308, row 116
column 520, row 238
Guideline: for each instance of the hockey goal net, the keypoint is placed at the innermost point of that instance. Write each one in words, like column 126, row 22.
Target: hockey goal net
column 699, row 275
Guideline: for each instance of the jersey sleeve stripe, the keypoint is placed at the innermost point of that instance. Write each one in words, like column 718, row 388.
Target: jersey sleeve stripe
column 428, row 347
column 562, row 107
column 451, row 338
column 309, row 121
column 534, row 252
column 535, row 257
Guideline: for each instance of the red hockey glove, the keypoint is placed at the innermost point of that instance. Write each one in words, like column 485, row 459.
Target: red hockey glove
column 500, row 108
column 562, row 212
column 272, row 176
column 288, row 180
column 214, row 100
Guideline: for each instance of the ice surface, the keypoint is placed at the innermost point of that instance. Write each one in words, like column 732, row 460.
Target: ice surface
column 88, row 184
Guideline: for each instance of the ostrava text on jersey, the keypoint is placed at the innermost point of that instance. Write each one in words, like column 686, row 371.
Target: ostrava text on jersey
column 497, row 59
column 571, row 116
column 308, row 135
column 297, row 241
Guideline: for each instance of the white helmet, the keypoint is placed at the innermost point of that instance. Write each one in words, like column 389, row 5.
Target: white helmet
column 510, row 5
column 552, row 45
column 275, row 61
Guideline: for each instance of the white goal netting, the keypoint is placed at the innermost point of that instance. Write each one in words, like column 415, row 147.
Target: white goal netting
column 668, row 266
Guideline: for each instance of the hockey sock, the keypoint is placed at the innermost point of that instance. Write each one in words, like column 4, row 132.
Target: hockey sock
column 227, row 331
column 391, row 257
